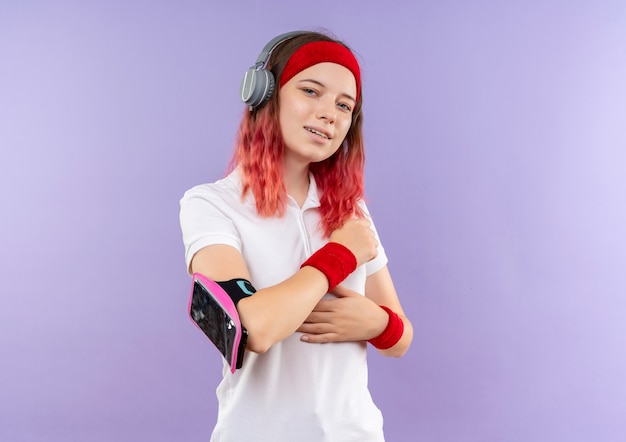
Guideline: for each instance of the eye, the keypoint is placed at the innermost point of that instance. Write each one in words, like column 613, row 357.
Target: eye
column 309, row 91
column 345, row 107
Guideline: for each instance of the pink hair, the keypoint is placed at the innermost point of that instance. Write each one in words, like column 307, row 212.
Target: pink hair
column 340, row 182
column 259, row 154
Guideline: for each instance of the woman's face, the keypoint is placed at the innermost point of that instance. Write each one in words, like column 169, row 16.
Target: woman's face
column 316, row 108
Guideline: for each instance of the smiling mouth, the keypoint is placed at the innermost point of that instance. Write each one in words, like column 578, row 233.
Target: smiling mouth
column 316, row 132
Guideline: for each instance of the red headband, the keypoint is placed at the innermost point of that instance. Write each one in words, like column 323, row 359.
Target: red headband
column 316, row 52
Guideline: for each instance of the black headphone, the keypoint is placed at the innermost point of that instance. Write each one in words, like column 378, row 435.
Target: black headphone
column 258, row 83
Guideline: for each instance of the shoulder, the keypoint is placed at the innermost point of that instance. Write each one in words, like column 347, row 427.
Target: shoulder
column 225, row 188
column 208, row 213
column 221, row 199
column 364, row 209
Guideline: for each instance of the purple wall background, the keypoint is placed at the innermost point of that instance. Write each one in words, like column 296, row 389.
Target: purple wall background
column 496, row 144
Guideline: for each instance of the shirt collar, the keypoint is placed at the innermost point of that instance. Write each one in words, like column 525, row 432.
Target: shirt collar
column 312, row 199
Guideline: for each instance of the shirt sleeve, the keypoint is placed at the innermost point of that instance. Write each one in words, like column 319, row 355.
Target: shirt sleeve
column 381, row 260
column 203, row 222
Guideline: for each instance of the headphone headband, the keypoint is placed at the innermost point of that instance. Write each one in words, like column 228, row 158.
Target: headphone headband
column 272, row 44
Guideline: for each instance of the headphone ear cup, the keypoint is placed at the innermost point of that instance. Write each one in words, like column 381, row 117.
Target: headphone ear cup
column 269, row 89
column 246, row 89
column 257, row 86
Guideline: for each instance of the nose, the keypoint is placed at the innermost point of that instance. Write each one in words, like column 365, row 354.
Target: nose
column 327, row 110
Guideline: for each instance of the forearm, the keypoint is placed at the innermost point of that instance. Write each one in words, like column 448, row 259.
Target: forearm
column 275, row 312
column 400, row 347
column 380, row 289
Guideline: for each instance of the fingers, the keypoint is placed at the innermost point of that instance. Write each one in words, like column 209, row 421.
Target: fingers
column 321, row 338
column 315, row 328
column 318, row 333
column 343, row 292
column 319, row 317
column 336, row 320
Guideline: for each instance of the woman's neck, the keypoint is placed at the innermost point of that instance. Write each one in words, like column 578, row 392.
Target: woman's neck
column 297, row 182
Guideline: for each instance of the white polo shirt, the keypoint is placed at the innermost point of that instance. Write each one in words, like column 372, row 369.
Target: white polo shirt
column 296, row 391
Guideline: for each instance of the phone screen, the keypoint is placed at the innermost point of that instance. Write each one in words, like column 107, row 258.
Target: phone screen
column 213, row 320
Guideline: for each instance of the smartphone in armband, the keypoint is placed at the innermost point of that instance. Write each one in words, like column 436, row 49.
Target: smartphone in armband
column 214, row 312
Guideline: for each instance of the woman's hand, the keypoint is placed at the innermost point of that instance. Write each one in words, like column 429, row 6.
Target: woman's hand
column 358, row 236
column 349, row 317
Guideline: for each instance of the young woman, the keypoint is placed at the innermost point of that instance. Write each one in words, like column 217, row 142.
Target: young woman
column 290, row 219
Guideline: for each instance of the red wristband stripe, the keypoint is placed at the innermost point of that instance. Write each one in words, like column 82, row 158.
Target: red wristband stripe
column 335, row 261
column 391, row 334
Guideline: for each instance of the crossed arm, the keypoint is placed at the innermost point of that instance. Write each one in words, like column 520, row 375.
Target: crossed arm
column 353, row 317
column 349, row 317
